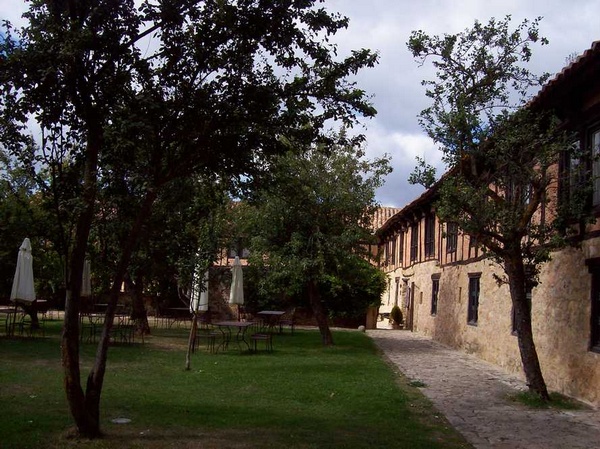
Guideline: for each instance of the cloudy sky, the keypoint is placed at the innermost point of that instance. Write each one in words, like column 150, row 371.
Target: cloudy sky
column 385, row 25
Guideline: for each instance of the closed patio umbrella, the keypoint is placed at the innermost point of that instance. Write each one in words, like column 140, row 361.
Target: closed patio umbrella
column 23, row 289
column 199, row 300
column 236, row 294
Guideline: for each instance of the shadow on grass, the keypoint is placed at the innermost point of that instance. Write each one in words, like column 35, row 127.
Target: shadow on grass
column 300, row 396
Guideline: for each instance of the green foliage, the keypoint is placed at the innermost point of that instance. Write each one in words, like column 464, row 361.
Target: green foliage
column 212, row 97
column 499, row 151
column 204, row 101
column 349, row 294
column 396, row 315
column 480, row 72
column 23, row 213
column 503, row 154
column 423, row 174
column 310, row 223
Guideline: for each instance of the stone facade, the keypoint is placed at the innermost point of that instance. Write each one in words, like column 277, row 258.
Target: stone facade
column 418, row 252
column 560, row 313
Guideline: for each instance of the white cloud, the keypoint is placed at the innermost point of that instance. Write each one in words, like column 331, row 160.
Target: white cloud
column 403, row 148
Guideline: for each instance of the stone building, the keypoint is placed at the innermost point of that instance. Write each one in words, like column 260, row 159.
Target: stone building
column 447, row 289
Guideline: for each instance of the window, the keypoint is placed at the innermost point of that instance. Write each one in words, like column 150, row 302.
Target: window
column 386, row 253
column 514, row 326
column 414, row 242
column 473, row 246
column 594, row 140
column 571, row 171
column 237, row 249
column 577, row 164
column 430, row 235
column 473, row 305
column 435, row 289
column 393, row 250
column 594, row 267
column 451, row 237
column 401, row 248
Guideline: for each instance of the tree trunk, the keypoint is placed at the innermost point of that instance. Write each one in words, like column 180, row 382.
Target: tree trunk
column 87, row 423
column 85, row 408
column 320, row 313
column 32, row 312
column 529, row 357
column 139, row 313
column 95, row 378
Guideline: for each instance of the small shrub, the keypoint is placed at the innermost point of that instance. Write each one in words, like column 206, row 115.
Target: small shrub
column 396, row 315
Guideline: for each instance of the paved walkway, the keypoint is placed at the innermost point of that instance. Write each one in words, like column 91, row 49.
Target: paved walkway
column 472, row 394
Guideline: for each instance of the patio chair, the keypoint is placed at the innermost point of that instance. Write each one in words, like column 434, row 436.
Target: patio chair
column 266, row 337
column 205, row 332
column 90, row 326
column 289, row 320
column 24, row 322
column 125, row 329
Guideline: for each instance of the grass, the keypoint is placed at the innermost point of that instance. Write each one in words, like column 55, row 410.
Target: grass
column 557, row 401
column 300, row 396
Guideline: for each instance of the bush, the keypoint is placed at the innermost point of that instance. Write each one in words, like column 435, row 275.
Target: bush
column 396, row 315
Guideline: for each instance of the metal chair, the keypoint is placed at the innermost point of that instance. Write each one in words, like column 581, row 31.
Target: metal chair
column 289, row 320
column 266, row 337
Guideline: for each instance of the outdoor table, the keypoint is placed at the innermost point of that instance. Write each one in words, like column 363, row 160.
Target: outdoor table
column 41, row 306
column 177, row 315
column 10, row 314
column 227, row 327
column 92, row 322
column 270, row 318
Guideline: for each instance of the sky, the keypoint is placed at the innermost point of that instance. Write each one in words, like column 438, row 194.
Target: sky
column 395, row 83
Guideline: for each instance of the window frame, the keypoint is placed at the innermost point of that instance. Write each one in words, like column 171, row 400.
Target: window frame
column 401, row 248
column 594, row 337
column 513, row 315
column 430, row 235
column 473, row 299
column 451, row 237
column 414, row 242
column 237, row 249
column 593, row 142
column 435, row 292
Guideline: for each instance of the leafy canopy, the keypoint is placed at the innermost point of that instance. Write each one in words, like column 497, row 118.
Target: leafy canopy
column 502, row 152
column 312, row 222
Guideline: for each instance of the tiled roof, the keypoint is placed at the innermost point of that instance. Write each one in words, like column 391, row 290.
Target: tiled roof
column 581, row 63
column 383, row 214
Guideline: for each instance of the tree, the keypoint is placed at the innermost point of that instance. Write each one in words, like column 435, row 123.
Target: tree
column 502, row 156
column 23, row 213
column 218, row 89
column 308, row 225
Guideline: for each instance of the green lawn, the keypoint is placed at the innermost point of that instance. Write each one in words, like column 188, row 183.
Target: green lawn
column 300, row 396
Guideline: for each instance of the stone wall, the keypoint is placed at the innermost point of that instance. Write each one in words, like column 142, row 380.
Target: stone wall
column 560, row 309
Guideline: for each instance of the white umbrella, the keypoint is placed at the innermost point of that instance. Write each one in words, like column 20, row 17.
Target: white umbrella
column 199, row 300
column 86, row 279
column 236, row 294
column 23, row 289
